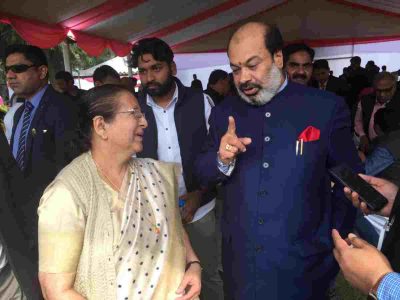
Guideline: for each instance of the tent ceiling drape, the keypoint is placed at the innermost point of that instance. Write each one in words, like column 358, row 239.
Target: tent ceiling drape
column 198, row 26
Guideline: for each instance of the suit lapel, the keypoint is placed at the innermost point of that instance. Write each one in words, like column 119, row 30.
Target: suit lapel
column 17, row 117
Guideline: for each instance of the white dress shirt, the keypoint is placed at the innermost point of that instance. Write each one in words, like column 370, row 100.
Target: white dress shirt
column 9, row 119
column 3, row 258
column 168, row 143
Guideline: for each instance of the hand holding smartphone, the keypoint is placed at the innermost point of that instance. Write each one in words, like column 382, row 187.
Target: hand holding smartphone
column 345, row 175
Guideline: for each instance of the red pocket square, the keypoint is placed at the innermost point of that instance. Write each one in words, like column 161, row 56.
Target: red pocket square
column 310, row 134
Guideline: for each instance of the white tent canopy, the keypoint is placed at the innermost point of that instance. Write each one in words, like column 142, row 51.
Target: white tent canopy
column 202, row 64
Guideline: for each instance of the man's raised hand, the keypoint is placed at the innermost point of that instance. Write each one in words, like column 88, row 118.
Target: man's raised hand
column 231, row 145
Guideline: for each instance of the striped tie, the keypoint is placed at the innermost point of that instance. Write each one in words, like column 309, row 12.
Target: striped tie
column 22, row 138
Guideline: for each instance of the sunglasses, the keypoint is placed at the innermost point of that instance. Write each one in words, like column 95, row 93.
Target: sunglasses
column 18, row 68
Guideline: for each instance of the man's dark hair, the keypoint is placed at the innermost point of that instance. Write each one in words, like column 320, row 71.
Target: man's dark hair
column 273, row 39
column 356, row 60
column 321, row 64
column 32, row 53
column 293, row 48
column 101, row 73
column 159, row 49
column 64, row 75
column 216, row 76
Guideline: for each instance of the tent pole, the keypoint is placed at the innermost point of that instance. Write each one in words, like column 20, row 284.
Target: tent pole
column 127, row 63
column 67, row 61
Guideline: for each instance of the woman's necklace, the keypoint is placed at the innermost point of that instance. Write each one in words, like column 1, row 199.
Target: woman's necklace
column 106, row 177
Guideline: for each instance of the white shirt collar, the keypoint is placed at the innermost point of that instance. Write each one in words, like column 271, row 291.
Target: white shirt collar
column 284, row 84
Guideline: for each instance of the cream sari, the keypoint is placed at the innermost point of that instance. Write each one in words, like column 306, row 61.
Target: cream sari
column 141, row 228
column 150, row 254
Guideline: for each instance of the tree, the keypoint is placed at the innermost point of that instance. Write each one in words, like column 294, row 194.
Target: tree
column 8, row 36
column 79, row 59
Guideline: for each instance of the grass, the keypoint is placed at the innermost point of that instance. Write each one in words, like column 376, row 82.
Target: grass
column 345, row 292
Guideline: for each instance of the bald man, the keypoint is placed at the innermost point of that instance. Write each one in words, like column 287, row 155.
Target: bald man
column 271, row 148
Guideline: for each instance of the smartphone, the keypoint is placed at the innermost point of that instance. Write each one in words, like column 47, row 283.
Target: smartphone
column 345, row 175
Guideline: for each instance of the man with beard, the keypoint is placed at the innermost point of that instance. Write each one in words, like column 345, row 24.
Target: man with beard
column 298, row 62
column 271, row 149
column 177, row 119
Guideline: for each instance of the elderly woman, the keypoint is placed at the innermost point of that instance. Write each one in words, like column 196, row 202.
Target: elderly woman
column 109, row 225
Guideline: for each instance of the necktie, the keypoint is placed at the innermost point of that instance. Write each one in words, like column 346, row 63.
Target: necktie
column 24, row 131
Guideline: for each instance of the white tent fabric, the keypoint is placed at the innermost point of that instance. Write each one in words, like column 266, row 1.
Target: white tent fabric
column 202, row 64
column 201, row 26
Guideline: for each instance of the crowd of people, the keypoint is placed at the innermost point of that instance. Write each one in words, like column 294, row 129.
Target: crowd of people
column 176, row 192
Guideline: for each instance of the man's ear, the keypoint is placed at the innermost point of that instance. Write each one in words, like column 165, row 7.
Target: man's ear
column 173, row 68
column 278, row 59
column 44, row 70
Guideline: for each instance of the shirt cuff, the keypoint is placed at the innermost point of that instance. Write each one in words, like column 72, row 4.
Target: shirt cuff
column 359, row 132
column 226, row 169
column 389, row 288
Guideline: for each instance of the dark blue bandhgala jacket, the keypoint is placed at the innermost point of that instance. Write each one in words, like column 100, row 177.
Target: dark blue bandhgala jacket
column 279, row 208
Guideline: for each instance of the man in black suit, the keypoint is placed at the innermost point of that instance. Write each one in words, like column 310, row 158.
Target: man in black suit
column 64, row 84
column 44, row 127
column 357, row 79
column 18, row 260
column 324, row 81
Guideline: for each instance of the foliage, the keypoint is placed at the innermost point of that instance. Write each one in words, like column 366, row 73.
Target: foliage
column 8, row 36
column 80, row 60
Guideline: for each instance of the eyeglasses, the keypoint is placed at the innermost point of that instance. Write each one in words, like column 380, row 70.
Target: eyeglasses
column 387, row 90
column 21, row 68
column 137, row 114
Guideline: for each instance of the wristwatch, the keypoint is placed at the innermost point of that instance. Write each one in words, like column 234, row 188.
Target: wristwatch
column 373, row 292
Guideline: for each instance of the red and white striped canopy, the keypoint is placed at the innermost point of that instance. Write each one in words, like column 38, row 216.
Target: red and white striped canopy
column 198, row 25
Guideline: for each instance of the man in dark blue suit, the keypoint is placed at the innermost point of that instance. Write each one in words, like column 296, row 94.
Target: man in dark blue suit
column 44, row 127
column 273, row 158
column 18, row 262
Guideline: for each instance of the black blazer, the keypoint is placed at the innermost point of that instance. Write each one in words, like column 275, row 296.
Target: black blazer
column 336, row 86
column 22, row 257
column 192, row 131
column 49, row 147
